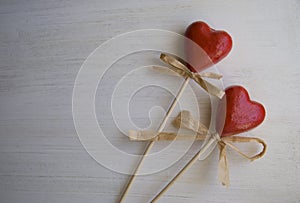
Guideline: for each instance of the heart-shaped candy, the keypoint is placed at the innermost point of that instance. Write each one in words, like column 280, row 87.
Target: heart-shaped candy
column 215, row 43
column 242, row 114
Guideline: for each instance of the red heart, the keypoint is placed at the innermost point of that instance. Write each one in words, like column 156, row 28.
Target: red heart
column 242, row 114
column 216, row 44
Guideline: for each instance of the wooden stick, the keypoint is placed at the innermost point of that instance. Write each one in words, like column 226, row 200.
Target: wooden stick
column 151, row 143
column 187, row 166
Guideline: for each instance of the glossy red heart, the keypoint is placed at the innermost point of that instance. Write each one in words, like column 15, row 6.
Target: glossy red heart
column 242, row 114
column 215, row 43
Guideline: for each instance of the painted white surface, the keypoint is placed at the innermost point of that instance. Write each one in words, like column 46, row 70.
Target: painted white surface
column 44, row 43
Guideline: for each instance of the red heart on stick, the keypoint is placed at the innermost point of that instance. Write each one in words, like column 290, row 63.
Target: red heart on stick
column 242, row 114
column 215, row 43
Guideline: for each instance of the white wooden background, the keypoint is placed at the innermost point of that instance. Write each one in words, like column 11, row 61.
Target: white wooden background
column 44, row 43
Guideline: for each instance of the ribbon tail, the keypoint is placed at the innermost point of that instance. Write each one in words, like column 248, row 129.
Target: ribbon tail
column 210, row 75
column 210, row 88
column 135, row 135
column 223, row 168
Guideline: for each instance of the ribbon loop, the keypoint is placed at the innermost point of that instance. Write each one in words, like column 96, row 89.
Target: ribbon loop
column 239, row 139
column 185, row 120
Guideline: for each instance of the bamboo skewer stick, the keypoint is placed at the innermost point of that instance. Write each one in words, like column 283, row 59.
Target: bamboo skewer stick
column 151, row 143
column 186, row 167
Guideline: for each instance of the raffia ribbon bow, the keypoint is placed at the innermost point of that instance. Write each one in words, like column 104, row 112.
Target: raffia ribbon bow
column 185, row 120
column 181, row 69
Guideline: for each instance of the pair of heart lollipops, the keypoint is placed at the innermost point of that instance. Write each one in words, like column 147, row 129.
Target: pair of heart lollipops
column 238, row 111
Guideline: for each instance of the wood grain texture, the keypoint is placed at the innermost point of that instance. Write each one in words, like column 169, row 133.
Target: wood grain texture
column 42, row 47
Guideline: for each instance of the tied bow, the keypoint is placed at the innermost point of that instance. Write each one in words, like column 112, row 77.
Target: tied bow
column 181, row 69
column 185, row 120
